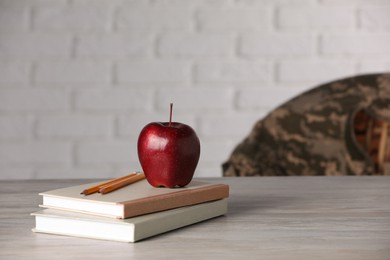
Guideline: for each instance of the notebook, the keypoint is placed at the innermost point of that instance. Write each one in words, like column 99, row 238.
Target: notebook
column 133, row 200
column 69, row 223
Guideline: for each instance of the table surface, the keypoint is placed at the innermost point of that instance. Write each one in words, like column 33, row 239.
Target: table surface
column 268, row 218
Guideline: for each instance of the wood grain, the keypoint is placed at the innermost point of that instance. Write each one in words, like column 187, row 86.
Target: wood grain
column 269, row 218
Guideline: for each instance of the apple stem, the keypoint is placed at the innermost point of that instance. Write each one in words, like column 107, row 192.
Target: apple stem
column 170, row 114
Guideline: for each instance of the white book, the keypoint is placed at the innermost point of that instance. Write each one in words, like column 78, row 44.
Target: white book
column 68, row 223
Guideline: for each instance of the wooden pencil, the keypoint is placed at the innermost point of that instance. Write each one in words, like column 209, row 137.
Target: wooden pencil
column 121, row 183
column 96, row 188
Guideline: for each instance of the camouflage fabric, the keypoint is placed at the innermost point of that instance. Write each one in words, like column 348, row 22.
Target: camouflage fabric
column 312, row 134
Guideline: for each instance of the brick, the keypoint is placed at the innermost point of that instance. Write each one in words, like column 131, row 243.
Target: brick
column 72, row 72
column 275, row 2
column 356, row 44
column 237, row 72
column 215, row 151
column 113, row 45
column 33, row 100
column 375, row 18
column 14, row 72
column 153, row 72
column 313, row 17
column 277, row 44
column 218, row 126
column 35, row 153
column 131, row 125
column 233, row 19
column 196, row 45
column 81, row 126
column 355, row 2
column 35, row 46
column 69, row 172
column 265, row 98
column 33, row 3
column 314, row 72
column 16, row 172
column 109, row 152
column 72, row 19
column 15, row 127
column 195, row 100
column 114, row 100
column 103, row 3
column 206, row 170
column 373, row 66
column 191, row 3
column 14, row 18
column 153, row 18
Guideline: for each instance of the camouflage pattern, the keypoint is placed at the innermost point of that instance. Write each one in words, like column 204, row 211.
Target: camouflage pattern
column 312, row 134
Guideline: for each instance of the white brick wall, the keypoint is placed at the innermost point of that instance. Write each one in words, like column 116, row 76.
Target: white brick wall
column 80, row 78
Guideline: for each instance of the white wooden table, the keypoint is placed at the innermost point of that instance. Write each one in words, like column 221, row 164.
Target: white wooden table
column 269, row 218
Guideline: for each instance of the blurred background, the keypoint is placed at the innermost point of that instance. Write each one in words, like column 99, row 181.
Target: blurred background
column 79, row 79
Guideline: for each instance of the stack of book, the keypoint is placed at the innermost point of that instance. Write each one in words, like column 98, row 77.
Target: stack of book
column 129, row 214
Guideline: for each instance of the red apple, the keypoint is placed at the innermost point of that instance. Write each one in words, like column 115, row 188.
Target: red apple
column 169, row 153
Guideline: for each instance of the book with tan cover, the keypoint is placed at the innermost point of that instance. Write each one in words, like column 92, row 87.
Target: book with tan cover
column 136, row 199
